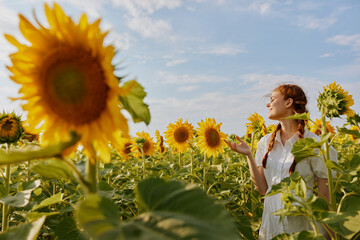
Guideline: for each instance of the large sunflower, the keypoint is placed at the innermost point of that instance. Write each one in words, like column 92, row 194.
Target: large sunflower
column 148, row 145
column 10, row 128
column 314, row 128
column 334, row 101
column 210, row 139
column 178, row 135
column 68, row 82
column 256, row 124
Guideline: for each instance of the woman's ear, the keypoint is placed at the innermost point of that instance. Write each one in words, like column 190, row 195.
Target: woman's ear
column 289, row 102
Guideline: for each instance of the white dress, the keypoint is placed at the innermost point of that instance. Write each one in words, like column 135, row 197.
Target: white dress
column 277, row 168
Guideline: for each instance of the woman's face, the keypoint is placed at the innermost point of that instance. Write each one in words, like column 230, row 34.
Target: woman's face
column 279, row 107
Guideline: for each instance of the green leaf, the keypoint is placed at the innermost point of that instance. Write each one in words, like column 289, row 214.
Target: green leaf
column 304, row 148
column 298, row 116
column 25, row 231
column 134, row 102
column 49, row 201
column 99, row 217
column 346, row 222
column 16, row 156
column 355, row 133
column 54, row 169
column 280, row 187
column 307, row 235
column 36, row 215
column 334, row 166
column 20, row 199
column 244, row 226
column 170, row 211
column 67, row 230
column 179, row 212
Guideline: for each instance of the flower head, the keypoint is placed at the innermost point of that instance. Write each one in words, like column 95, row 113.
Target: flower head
column 178, row 135
column 124, row 149
column 334, row 101
column 143, row 141
column 10, row 128
column 210, row 139
column 256, row 124
column 68, row 83
column 160, row 148
column 317, row 128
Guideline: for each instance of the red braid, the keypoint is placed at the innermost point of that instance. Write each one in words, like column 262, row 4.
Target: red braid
column 271, row 144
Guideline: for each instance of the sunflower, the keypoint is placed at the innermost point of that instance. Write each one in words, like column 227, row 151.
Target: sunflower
column 314, row 128
column 271, row 128
column 178, row 135
column 256, row 124
column 160, row 148
column 10, row 128
column 354, row 128
column 68, row 83
column 148, row 145
column 334, row 101
column 210, row 139
column 124, row 149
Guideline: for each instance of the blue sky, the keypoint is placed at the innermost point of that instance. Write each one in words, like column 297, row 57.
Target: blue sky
column 213, row 58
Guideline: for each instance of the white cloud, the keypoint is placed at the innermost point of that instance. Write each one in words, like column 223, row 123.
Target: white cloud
column 225, row 49
column 311, row 22
column 139, row 7
column 326, row 55
column 175, row 62
column 188, row 88
column 149, row 28
column 170, row 78
column 262, row 7
column 352, row 41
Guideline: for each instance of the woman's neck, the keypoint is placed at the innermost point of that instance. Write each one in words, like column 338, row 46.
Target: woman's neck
column 288, row 129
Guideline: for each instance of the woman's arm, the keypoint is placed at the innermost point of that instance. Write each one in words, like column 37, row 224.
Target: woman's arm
column 323, row 188
column 256, row 173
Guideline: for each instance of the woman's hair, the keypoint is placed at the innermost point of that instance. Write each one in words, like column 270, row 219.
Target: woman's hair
column 299, row 103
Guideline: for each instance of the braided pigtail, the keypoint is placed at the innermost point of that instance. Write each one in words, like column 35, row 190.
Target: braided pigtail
column 271, row 144
column 301, row 131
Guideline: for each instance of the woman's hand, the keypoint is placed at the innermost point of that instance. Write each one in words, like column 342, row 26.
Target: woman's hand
column 240, row 147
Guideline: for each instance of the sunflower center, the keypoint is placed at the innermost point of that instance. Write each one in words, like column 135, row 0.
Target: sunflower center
column 127, row 148
column 181, row 135
column 7, row 125
column 146, row 147
column 74, row 84
column 212, row 137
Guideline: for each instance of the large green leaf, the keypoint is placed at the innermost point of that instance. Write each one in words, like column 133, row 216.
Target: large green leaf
column 54, row 169
column 134, row 102
column 49, row 201
column 299, row 116
column 21, row 199
column 170, row 211
column 67, row 230
column 355, row 133
column 25, row 231
column 304, row 148
column 346, row 222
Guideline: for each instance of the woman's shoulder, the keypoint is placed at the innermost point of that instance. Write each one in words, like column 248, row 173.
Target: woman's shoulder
column 265, row 138
column 308, row 134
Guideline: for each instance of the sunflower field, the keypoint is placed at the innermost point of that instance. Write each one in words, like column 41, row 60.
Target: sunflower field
column 70, row 170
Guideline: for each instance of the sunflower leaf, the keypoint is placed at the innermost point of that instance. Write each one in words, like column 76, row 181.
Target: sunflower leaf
column 298, row 116
column 134, row 102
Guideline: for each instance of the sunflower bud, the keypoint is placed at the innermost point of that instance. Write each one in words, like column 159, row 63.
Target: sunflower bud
column 10, row 128
column 335, row 101
column 140, row 140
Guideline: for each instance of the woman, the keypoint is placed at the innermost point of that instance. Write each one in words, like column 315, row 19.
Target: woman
column 274, row 160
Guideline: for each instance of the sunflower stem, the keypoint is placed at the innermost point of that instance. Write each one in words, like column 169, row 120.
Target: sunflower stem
column 28, row 170
column 5, row 208
column 192, row 162
column 143, row 161
column 329, row 173
column 204, row 173
column 91, row 175
column 180, row 158
column 251, row 183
